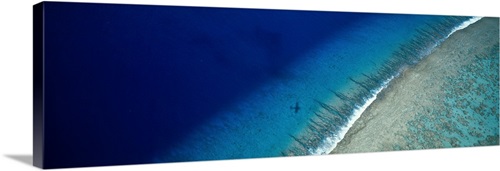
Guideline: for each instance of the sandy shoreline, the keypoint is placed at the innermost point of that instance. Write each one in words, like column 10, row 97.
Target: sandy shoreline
column 418, row 110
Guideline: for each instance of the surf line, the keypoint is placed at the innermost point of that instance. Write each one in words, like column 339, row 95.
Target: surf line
column 464, row 24
column 329, row 143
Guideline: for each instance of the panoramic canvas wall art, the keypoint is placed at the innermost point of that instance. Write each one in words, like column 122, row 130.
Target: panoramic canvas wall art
column 118, row 84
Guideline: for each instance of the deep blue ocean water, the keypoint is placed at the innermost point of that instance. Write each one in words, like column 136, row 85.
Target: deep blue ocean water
column 129, row 84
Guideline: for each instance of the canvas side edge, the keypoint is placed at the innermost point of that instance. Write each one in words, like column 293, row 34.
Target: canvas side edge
column 38, row 86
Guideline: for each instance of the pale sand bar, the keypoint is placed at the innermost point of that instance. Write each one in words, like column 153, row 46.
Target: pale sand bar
column 413, row 113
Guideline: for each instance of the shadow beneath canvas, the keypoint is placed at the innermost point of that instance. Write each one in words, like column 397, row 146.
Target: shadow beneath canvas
column 23, row 158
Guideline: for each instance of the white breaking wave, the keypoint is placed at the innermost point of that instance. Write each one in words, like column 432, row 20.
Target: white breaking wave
column 465, row 24
column 330, row 143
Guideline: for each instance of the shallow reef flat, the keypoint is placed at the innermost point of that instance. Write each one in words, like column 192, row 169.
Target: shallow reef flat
column 449, row 99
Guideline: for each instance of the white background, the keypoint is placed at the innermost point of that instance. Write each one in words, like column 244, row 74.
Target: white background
column 16, row 92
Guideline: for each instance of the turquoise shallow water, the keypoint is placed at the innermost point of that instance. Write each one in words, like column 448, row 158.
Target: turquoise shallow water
column 337, row 77
column 467, row 115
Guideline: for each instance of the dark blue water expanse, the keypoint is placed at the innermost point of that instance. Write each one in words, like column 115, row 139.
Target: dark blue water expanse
column 129, row 84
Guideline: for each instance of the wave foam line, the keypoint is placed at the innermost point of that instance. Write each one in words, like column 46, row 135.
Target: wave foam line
column 465, row 24
column 331, row 142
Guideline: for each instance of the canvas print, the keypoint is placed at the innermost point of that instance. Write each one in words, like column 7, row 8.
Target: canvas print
column 119, row 84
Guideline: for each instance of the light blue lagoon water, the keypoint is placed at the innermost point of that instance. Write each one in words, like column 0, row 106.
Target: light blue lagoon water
column 308, row 107
column 465, row 112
